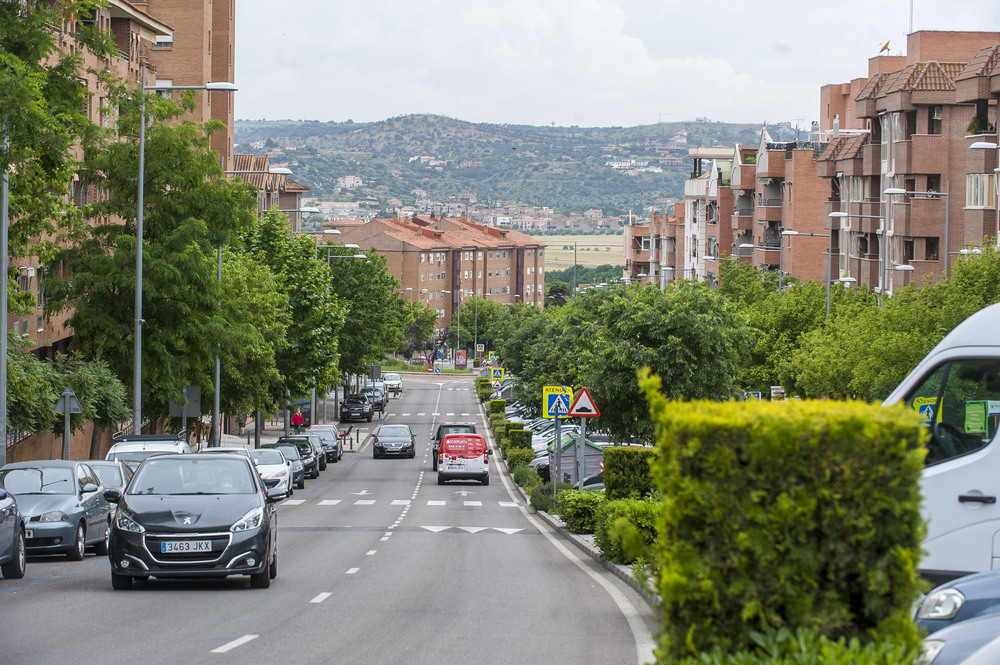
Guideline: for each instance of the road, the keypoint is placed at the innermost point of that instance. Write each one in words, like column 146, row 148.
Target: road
column 377, row 564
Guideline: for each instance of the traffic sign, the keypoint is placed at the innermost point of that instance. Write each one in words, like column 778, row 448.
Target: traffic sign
column 480, row 348
column 583, row 406
column 497, row 385
column 493, row 357
column 556, row 401
column 67, row 402
column 437, row 370
column 496, row 373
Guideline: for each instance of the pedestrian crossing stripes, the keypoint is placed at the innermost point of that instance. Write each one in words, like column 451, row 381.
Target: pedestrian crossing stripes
column 400, row 502
column 407, row 415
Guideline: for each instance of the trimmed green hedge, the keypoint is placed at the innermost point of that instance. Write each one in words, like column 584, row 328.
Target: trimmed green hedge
column 497, row 407
column 517, row 457
column 786, row 515
column 541, row 496
column 625, row 529
column 519, row 438
column 578, row 508
column 626, row 471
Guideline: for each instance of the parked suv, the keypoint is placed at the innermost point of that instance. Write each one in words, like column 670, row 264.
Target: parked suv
column 135, row 448
column 333, row 445
column 377, row 395
column 307, row 451
column 355, row 407
column 444, row 429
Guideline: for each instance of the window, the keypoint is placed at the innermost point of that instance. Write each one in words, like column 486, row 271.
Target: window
column 958, row 404
column 931, row 249
column 979, row 191
column 423, row 276
column 480, row 275
column 421, row 258
column 480, row 256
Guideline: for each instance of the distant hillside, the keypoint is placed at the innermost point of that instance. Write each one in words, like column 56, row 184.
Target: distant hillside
column 559, row 167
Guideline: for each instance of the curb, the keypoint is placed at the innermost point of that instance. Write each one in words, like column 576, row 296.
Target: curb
column 620, row 571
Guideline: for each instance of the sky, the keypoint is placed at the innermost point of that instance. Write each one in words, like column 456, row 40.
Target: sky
column 590, row 63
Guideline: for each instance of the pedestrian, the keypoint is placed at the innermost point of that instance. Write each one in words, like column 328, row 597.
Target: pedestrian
column 296, row 421
column 241, row 421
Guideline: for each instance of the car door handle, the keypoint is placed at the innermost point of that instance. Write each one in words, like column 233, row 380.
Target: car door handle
column 976, row 498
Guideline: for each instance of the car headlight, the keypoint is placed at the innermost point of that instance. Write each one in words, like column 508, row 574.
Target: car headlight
column 250, row 521
column 297, row 466
column 931, row 650
column 53, row 516
column 281, row 473
column 125, row 522
column 941, row 604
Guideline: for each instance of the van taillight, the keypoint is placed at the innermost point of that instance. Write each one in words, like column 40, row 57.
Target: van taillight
column 486, row 457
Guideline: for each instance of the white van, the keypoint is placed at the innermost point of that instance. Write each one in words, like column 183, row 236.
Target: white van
column 957, row 390
column 463, row 457
column 133, row 449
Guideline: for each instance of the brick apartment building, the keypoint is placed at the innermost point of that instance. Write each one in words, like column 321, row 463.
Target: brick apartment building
column 442, row 261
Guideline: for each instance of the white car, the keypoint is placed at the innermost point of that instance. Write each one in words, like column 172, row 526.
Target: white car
column 393, row 383
column 274, row 469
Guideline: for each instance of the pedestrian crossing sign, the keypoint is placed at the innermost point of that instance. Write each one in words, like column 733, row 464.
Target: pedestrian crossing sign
column 480, row 348
column 556, row 401
column 496, row 373
column 493, row 357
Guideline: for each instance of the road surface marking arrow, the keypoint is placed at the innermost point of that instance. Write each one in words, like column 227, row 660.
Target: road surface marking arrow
column 436, row 529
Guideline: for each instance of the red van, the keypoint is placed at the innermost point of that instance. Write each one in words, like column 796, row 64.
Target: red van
column 463, row 457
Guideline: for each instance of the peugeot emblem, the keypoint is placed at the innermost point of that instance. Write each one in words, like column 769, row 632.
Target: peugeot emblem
column 187, row 520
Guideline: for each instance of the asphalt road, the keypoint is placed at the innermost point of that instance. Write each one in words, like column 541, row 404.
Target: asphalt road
column 377, row 564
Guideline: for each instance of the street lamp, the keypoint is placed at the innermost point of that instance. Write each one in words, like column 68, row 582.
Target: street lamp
column 986, row 145
column 947, row 221
column 829, row 255
column 747, row 245
column 137, row 336
column 4, row 203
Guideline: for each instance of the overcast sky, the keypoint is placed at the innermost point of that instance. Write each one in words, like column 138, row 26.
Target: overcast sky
column 593, row 63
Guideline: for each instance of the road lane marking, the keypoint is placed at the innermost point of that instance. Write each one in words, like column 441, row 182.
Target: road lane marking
column 507, row 531
column 364, row 502
column 321, row 597
column 437, row 503
column 473, row 529
column 508, row 504
column 435, row 529
column 293, row 502
column 235, row 643
column 351, row 571
column 401, row 502
column 370, row 552
column 473, row 504
column 329, row 502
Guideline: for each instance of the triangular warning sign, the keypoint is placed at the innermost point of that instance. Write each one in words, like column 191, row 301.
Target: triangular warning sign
column 583, row 406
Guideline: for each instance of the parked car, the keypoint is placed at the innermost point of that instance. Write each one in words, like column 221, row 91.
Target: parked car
column 377, row 396
column 292, row 454
column 592, row 482
column 956, row 644
column 310, row 450
column 443, row 430
column 274, row 469
column 113, row 474
column 395, row 440
column 393, row 383
column 463, row 457
column 63, row 506
column 355, row 406
column 235, row 450
column 333, row 443
column 958, row 600
column 135, row 448
column 194, row 516
column 13, row 554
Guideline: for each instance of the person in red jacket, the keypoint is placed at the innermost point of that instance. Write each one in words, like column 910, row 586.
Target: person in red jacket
column 296, row 421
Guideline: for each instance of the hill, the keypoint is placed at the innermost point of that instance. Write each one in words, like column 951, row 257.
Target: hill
column 433, row 158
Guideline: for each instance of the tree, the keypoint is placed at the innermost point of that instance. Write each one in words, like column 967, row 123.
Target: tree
column 103, row 397
column 420, row 320
column 556, row 293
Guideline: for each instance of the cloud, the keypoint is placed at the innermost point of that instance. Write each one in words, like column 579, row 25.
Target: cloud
column 568, row 62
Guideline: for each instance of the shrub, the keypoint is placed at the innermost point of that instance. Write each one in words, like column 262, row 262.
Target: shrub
column 498, row 407
column 541, row 496
column 519, row 438
column 578, row 509
column 785, row 515
column 526, row 477
column 518, row 457
column 484, row 392
column 625, row 529
column 626, row 471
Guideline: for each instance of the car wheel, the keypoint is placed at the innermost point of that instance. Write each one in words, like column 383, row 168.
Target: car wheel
column 486, row 480
column 302, row 484
column 14, row 569
column 413, row 454
column 272, row 570
column 76, row 553
column 120, row 581
column 101, row 548
column 369, row 417
column 434, row 463
column 342, row 420
column 322, row 467
column 291, row 489
column 374, row 454
column 261, row 580
column 440, row 480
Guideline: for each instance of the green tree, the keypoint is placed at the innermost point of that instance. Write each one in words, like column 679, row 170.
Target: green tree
column 420, row 320
column 30, row 396
column 103, row 397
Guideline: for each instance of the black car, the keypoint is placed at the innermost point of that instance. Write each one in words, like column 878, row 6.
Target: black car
column 194, row 516
column 447, row 428
column 395, row 440
column 291, row 453
column 307, row 452
column 355, row 407
column 333, row 445
column 12, row 550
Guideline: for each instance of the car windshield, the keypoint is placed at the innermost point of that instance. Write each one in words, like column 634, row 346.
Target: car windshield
column 394, row 431
column 288, row 450
column 325, row 434
column 110, row 476
column 392, row 377
column 38, row 480
column 137, row 456
column 267, row 457
column 355, row 399
column 193, row 475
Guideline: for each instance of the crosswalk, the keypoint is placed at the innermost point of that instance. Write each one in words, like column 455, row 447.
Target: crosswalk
column 464, row 503
column 418, row 414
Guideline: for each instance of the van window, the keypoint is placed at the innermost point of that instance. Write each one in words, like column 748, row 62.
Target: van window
column 960, row 403
column 464, row 446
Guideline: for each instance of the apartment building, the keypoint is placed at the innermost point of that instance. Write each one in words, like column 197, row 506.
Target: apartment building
column 910, row 125
column 651, row 247
column 442, row 261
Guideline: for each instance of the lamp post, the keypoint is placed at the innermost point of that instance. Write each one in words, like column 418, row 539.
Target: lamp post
column 947, row 221
column 137, row 335
column 986, row 145
column 829, row 253
column 4, row 214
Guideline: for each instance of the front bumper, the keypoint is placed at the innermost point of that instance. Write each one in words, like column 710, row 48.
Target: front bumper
column 402, row 451
column 139, row 555
column 49, row 537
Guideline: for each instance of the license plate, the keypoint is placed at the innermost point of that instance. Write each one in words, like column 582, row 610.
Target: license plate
column 455, row 467
column 169, row 546
column 28, row 533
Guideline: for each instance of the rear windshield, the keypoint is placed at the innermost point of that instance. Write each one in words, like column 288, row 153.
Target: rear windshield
column 464, row 446
column 458, row 429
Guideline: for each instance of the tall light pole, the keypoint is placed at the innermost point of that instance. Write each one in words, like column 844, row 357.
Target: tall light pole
column 947, row 221
column 986, row 145
column 829, row 253
column 137, row 335
column 4, row 215
column 449, row 293
column 847, row 215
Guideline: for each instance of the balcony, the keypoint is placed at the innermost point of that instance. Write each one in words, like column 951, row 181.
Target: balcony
column 744, row 176
column 696, row 188
column 743, row 223
column 769, row 214
column 871, row 158
column 775, row 165
column 640, row 255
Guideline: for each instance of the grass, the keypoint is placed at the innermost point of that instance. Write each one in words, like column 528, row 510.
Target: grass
column 591, row 250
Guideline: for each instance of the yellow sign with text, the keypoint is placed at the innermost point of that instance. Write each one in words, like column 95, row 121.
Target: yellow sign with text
column 556, row 401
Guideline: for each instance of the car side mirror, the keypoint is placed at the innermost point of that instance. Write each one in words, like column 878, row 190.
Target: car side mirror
column 112, row 496
column 274, row 494
column 3, row 494
column 89, row 487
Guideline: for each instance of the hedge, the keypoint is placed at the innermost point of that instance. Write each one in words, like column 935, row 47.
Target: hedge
column 497, row 407
column 519, row 438
column 786, row 515
column 626, row 471
column 541, row 496
column 517, row 457
column 578, row 508
column 625, row 529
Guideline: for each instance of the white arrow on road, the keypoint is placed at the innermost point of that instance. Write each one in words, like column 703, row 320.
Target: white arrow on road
column 464, row 493
column 361, row 493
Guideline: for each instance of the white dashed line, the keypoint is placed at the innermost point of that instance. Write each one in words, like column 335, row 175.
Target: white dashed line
column 329, row 502
column 235, row 643
column 321, row 597
column 400, row 502
column 370, row 552
column 474, row 503
column 293, row 502
column 364, row 502
column 351, row 571
column 436, row 503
